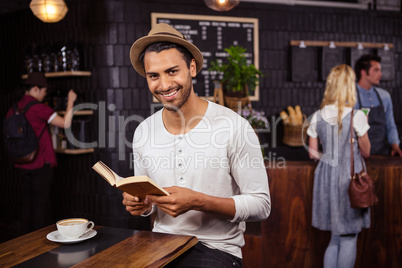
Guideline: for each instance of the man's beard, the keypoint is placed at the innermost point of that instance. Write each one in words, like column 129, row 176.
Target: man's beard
column 174, row 108
column 186, row 90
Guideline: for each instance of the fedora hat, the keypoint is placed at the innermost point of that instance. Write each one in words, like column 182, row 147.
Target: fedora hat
column 162, row 32
column 36, row 79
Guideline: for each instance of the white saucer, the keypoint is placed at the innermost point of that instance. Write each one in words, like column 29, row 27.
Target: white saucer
column 55, row 236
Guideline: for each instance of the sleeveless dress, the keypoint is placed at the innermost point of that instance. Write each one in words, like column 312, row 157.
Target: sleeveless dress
column 331, row 205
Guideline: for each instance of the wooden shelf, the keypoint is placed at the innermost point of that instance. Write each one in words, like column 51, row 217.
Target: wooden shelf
column 79, row 112
column 63, row 74
column 74, row 151
column 309, row 43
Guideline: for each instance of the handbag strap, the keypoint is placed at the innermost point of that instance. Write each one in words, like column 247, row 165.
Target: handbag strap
column 352, row 164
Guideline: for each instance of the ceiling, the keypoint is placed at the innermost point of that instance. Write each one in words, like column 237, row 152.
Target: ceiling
column 7, row 6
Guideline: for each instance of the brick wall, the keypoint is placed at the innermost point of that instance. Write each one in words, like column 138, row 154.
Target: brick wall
column 105, row 31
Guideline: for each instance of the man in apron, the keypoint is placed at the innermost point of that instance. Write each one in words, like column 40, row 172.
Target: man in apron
column 377, row 102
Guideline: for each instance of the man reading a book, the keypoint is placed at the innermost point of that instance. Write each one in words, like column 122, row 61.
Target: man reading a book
column 205, row 155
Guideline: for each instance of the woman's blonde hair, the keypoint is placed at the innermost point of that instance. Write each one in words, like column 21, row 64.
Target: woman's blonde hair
column 340, row 89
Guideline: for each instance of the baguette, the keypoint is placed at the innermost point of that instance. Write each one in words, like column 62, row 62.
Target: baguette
column 292, row 116
column 285, row 117
column 299, row 115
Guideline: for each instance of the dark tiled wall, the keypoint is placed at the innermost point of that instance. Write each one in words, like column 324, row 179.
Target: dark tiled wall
column 105, row 31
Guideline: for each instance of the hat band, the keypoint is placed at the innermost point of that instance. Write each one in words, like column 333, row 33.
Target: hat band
column 175, row 35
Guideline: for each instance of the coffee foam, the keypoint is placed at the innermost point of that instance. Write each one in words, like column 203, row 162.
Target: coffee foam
column 72, row 222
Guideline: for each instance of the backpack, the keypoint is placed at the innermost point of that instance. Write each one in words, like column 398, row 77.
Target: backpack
column 20, row 139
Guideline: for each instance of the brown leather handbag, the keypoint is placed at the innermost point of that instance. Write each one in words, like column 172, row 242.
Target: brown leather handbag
column 361, row 188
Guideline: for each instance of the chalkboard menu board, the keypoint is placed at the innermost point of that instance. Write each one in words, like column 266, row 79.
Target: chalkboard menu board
column 387, row 64
column 303, row 64
column 331, row 57
column 212, row 34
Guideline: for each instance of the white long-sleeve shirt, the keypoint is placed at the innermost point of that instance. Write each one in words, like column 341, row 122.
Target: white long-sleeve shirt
column 220, row 157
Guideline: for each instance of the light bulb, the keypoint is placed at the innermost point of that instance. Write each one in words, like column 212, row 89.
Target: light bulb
column 221, row 5
column 49, row 10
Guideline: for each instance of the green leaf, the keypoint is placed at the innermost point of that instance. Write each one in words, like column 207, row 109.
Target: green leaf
column 236, row 72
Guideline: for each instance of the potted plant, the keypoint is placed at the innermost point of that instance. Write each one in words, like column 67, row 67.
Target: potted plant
column 238, row 76
column 257, row 120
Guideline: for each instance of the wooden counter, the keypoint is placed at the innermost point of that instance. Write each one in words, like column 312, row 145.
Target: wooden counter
column 287, row 239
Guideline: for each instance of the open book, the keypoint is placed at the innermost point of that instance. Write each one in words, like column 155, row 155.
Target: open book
column 140, row 186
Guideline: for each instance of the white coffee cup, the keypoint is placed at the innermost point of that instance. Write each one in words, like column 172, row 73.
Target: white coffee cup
column 73, row 228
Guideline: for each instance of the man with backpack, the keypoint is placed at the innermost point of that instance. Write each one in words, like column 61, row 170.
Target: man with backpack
column 36, row 174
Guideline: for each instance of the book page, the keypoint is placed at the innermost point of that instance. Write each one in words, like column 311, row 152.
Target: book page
column 140, row 186
column 106, row 172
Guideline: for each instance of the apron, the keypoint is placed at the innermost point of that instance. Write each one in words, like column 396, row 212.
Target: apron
column 378, row 128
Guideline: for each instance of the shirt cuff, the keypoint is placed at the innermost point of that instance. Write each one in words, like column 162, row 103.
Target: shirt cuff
column 237, row 207
column 51, row 117
column 149, row 213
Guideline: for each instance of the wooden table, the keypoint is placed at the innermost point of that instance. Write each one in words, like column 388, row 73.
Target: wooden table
column 111, row 247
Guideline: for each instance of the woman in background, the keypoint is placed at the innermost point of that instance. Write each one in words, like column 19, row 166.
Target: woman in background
column 331, row 205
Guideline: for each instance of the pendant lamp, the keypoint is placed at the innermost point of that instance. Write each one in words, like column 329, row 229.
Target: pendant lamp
column 221, row 5
column 49, row 10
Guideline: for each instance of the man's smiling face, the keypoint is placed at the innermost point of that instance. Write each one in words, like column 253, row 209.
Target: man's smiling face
column 169, row 79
